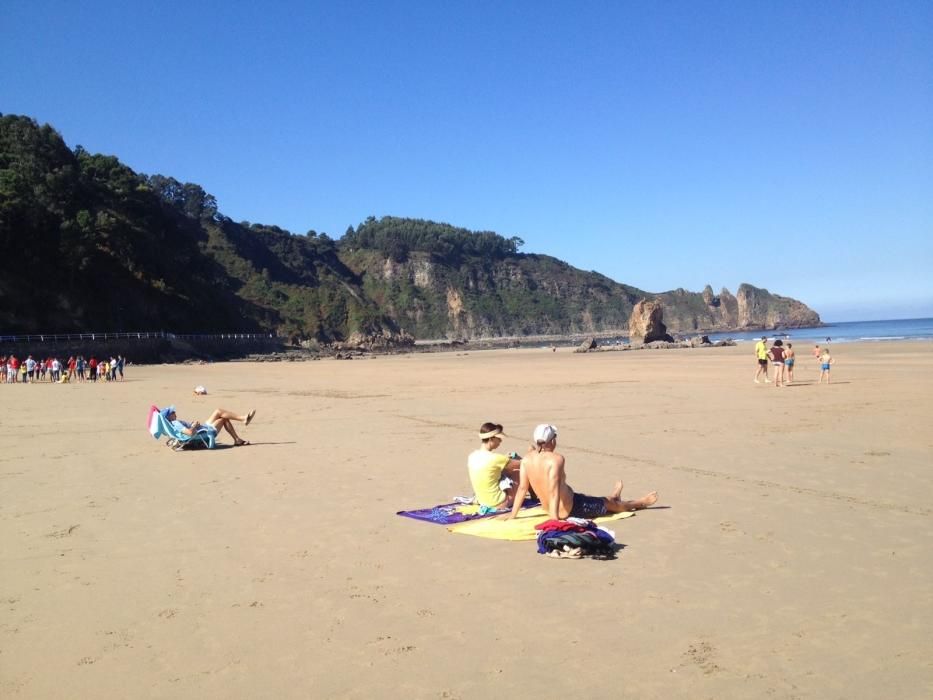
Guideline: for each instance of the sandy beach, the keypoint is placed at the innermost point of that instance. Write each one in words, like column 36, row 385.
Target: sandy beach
column 791, row 557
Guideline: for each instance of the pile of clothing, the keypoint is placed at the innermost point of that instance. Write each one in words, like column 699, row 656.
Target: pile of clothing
column 575, row 538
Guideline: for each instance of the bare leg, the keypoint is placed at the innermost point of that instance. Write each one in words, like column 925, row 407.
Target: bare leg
column 616, row 491
column 228, row 426
column 222, row 413
column 617, row 506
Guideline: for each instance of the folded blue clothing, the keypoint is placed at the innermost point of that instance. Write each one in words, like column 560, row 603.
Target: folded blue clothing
column 592, row 542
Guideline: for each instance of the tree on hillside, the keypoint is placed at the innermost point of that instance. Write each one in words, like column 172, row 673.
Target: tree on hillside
column 187, row 197
column 396, row 238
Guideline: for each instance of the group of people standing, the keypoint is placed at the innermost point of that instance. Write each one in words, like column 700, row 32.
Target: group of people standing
column 782, row 359
column 13, row 370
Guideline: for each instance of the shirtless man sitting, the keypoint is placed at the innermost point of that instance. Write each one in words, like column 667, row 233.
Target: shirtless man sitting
column 543, row 470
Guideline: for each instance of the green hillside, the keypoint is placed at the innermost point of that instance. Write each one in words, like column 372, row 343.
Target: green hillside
column 94, row 246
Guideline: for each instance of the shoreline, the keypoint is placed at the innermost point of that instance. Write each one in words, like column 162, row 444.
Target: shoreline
column 737, row 348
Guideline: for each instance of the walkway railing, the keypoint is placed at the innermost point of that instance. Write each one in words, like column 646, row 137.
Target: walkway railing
column 143, row 335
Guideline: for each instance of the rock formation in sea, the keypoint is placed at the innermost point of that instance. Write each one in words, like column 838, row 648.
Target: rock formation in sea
column 647, row 323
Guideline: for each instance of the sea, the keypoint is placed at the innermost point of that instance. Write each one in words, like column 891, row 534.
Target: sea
column 911, row 329
column 847, row 332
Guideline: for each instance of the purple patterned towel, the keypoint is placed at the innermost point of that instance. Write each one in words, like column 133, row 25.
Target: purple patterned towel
column 453, row 513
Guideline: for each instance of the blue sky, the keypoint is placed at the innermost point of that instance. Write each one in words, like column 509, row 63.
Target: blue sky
column 789, row 145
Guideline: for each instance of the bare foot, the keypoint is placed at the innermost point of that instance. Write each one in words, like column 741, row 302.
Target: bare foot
column 648, row 500
column 616, row 492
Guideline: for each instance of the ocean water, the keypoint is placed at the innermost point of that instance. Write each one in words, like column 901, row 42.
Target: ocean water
column 848, row 332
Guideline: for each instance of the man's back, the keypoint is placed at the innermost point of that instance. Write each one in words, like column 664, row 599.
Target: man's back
column 545, row 472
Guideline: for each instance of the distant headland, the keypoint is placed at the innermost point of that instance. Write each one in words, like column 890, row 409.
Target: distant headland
column 92, row 245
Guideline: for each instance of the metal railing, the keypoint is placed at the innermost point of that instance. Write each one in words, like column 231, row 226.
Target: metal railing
column 142, row 335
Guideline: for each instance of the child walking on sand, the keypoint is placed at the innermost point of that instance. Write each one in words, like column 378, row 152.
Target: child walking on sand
column 826, row 362
column 789, row 362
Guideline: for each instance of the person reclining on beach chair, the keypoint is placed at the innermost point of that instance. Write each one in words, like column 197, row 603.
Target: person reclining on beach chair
column 184, row 432
column 221, row 418
column 160, row 426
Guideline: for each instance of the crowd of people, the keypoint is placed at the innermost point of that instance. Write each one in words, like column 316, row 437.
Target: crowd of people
column 782, row 359
column 14, row 370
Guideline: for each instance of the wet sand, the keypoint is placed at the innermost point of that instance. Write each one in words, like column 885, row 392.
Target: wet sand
column 792, row 556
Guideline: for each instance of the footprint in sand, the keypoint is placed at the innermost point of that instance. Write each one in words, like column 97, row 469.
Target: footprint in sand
column 63, row 533
column 701, row 654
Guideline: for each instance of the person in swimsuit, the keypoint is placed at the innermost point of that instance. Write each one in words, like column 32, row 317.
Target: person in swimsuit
column 789, row 362
column 777, row 359
column 542, row 469
column 826, row 361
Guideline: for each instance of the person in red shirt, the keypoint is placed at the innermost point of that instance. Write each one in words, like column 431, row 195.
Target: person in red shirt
column 72, row 363
column 92, row 365
column 777, row 359
column 13, row 369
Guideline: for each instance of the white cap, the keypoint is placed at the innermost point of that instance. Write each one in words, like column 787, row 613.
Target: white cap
column 544, row 433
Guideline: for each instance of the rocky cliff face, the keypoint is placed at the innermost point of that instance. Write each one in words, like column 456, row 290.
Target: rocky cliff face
column 758, row 308
column 519, row 295
column 750, row 308
column 540, row 295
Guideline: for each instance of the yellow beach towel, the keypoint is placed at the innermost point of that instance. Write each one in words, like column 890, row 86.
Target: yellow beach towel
column 521, row 527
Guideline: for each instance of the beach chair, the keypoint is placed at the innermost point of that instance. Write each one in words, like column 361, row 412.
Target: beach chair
column 160, row 427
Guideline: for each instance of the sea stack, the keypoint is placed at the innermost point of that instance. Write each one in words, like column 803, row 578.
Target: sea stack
column 647, row 323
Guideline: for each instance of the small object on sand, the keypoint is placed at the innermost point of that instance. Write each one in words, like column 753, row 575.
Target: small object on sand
column 200, row 390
